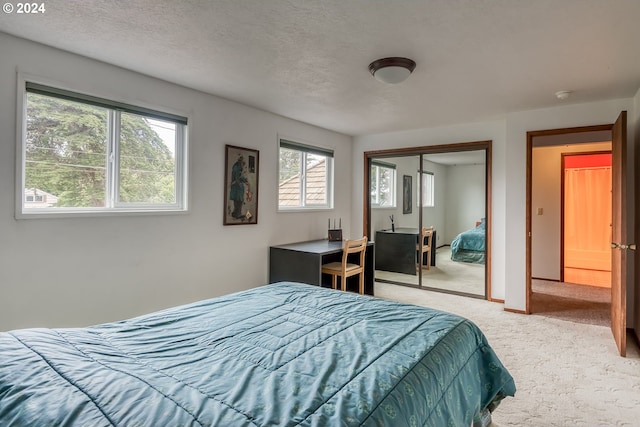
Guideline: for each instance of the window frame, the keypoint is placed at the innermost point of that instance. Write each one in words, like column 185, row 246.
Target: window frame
column 394, row 189
column 113, row 207
column 305, row 148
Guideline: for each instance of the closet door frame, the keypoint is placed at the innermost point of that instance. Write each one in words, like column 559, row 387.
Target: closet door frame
column 435, row 149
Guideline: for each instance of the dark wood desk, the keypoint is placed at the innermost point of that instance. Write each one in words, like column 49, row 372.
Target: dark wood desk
column 302, row 262
column 396, row 250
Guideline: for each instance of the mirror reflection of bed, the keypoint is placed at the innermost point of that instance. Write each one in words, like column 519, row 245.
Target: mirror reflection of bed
column 449, row 192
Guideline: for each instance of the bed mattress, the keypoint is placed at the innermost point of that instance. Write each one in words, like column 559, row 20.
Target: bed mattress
column 278, row 355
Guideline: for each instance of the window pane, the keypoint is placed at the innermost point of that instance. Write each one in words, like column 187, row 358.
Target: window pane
column 385, row 190
column 147, row 160
column 428, row 196
column 305, row 177
column 383, row 186
column 289, row 188
column 65, row 153
column 316, row 180
column 375, row 200
column 430, row 190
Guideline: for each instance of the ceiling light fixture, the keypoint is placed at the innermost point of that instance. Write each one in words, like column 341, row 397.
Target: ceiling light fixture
column 392, row 70
column 563, row 94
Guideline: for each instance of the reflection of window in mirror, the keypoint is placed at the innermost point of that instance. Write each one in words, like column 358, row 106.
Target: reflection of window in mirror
column 428, row 189
column 383, row 185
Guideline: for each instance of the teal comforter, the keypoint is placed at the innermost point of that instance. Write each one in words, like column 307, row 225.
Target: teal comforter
column 279, row 355
column 469, row 246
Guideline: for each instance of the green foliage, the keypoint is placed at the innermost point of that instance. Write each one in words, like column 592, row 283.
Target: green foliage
column 289, row 163
column 66, row 155
column 146, row 164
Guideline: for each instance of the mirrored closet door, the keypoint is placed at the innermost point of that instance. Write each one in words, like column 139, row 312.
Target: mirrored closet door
column 428, row 215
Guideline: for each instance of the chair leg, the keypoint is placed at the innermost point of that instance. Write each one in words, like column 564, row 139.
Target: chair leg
column 361, row 283
column 333, row 281
column 429, row 260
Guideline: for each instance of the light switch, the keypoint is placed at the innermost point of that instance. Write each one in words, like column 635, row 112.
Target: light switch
column 539, row 211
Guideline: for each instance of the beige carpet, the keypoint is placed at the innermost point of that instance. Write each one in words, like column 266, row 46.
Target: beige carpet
column 446, row 275
column 566, row 373
column 576, row 303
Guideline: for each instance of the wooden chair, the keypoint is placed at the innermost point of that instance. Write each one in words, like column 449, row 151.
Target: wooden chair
column 426, row 235
column 346, row 269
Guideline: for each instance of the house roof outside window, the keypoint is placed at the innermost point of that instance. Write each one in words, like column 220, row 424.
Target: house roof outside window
column 36, row 198
column 316, row 191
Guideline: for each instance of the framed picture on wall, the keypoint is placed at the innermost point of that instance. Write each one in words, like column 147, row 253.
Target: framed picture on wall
column 407, row 192
column 240, row 185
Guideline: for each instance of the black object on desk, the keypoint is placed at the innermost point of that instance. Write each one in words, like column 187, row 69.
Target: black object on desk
column 335, row 235
column 302, row 262
column 396, row 250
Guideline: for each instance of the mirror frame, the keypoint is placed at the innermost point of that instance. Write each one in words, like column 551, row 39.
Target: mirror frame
column 435, row 149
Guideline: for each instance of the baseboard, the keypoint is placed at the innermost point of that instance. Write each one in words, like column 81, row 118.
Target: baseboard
column 500, row 301
column 546, row 280
column 513, row 310
column 427, row 288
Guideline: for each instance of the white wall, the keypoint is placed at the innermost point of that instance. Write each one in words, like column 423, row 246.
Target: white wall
column 79, row 271
column 437, row 215
column 546, row 193
column 465, row 198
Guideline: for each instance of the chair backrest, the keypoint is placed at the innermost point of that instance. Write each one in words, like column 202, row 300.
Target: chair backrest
column 427, row 234
column 353, row 246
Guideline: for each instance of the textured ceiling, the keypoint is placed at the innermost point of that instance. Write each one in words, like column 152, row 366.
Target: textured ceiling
column 308, row 59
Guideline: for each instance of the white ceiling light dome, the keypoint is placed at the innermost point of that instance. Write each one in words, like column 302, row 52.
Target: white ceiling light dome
column 392, row 70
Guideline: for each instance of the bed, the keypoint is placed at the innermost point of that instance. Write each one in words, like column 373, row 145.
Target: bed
column 278, row 355
column 469, row 246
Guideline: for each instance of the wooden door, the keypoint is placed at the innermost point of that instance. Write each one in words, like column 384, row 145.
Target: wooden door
column 619, row 234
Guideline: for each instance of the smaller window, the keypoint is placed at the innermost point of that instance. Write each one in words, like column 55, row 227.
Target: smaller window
column 305, row 177
column 426, row 180
column 383, row 185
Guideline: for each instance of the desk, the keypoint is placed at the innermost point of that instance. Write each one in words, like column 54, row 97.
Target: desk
column 302, row 262
column 396, row 250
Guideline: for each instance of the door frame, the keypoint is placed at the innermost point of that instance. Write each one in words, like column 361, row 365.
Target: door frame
column 435, row 149
column 530, row 136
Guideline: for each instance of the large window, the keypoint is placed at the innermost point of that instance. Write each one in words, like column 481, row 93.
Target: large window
column 87, row 154
column 383, row 185
column 305, row 177
column 428, row 189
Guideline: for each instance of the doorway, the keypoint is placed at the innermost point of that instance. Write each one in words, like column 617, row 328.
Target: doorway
column 430, row 191
column 557, row 234
column 586, row 219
